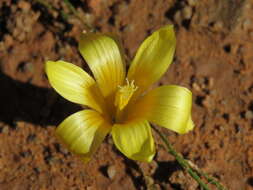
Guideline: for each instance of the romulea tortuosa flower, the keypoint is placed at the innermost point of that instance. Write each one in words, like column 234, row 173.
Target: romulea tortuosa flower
column 120, row 102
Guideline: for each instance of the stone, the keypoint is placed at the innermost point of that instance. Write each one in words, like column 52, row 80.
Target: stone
column 5, row 130
column 192, row 2
column 111, row 171
column 187, row 12
column 249, row 114
column 24, row 5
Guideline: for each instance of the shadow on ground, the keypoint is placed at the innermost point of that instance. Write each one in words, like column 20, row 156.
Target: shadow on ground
column 26, row 102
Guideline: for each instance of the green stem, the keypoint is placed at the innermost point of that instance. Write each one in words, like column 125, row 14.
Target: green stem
column 211, row 180
column 187, row 166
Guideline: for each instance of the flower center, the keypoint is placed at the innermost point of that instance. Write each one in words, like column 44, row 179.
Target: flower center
column 124, row 94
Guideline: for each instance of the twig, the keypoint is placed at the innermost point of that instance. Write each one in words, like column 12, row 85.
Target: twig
column 76, row 14
column 187, row 166
column 64, row 15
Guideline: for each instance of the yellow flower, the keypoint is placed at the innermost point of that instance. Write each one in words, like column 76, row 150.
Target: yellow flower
column 119, row 103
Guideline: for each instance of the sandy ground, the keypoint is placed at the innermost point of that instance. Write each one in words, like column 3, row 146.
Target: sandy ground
column 214, row 58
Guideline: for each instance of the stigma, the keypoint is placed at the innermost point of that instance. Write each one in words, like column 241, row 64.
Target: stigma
column 124, row 94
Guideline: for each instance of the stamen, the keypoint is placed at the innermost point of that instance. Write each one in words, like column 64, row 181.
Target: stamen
column 124, row 94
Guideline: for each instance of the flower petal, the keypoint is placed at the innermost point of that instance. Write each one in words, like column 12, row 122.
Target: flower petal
column 168, row 106
column 134, row 139
column 74, row 84
column 83, row 132
column 104, row 59
column 153, row 58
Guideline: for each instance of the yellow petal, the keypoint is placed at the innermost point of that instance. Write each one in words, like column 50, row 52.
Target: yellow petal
column 104, row 59
column 83, row 132
column 134, row 140
column 120, row 46
column 153, row 58
column 74, row 84
column 167, row 106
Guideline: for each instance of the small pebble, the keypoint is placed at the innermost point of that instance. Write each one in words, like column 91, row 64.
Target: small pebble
column 52, row 160
column 153, row 167
column 21, row 37
column 110, row 141
column 149, row 180
column 55, row 14
column 213, row 92
column 29, row 67
column 196, row 87
column 32, row 178
column 89, row 18
column 5, row 130
column 248, row 5
column 207, row 102
column 222, row 128
column 187, row 12
column 249, row 114
column 218, row 25
column 8, row 40
column 211, row 82
column 64, row 150
column 178, row 17
column 25, row 6
column 13, row 8
column 111, row 171
column 192, row 2
column 247, row 24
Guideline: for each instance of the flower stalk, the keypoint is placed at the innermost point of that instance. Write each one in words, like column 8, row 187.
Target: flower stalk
column 195, row 173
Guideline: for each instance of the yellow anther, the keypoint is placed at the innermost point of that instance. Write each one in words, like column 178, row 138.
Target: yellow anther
column 124, row 94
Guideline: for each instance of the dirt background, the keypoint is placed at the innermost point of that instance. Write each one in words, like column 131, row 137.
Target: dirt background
column 214, row 58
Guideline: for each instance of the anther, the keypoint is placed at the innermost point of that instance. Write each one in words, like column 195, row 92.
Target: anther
column 124, row 94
